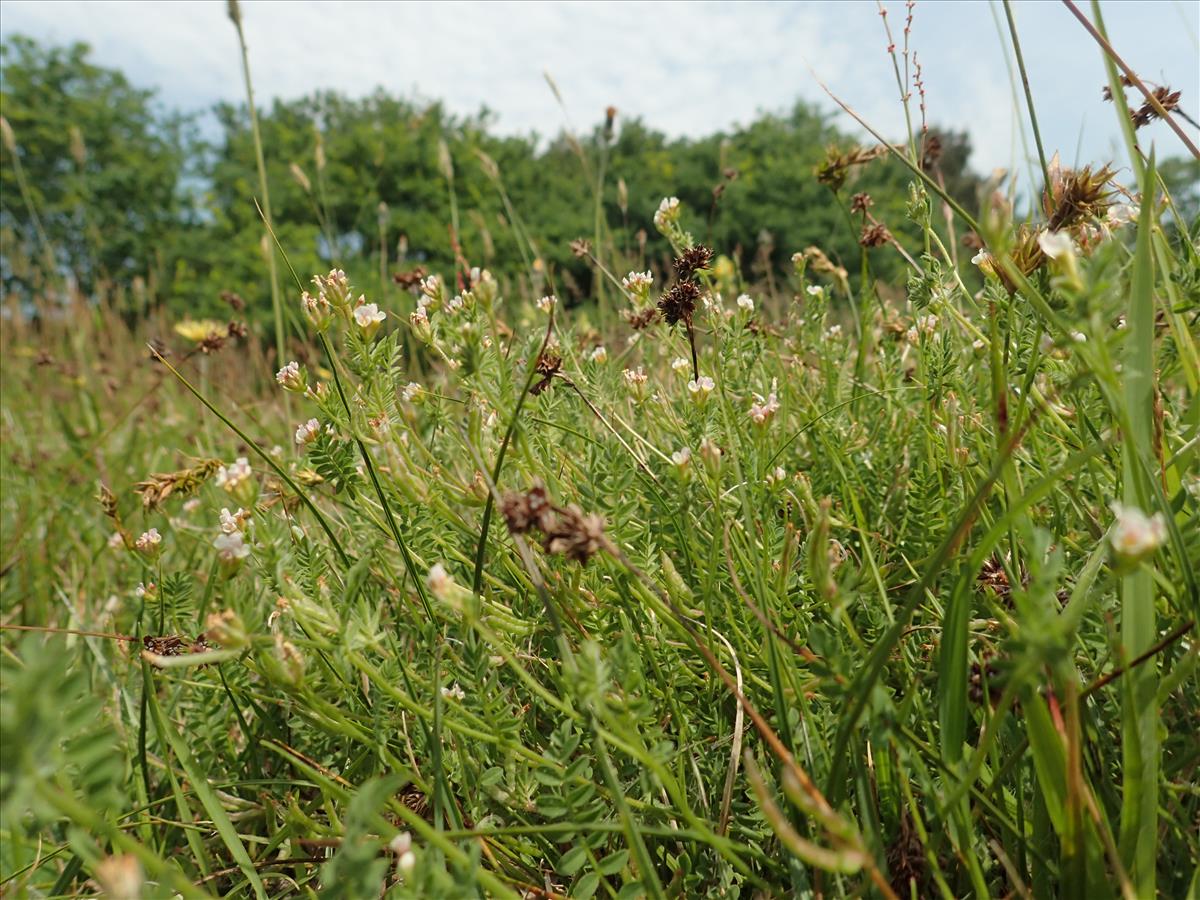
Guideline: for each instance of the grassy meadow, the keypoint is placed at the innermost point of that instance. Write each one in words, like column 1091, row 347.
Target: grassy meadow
column 723, row 581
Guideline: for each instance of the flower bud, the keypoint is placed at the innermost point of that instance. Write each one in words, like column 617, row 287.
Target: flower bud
column 317, row 310
column 227, row 630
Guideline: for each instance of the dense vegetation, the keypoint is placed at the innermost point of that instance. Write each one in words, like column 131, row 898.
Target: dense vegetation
column 800, row 550
column 174, row 202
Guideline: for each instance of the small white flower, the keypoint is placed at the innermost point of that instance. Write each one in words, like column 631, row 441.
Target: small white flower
column 545, row 304
column 439, row 581
column 668, row 211
column 145, row 590
column 401, row 843
column 410, row 391
column 680, row 365
column 778, row 476
column 191, row 505
column 814, row 290
column 307, row 433
column 454, row 692
column 978, row 345
column 432, row 290
column 981, row 257
column 1079, row 337
column 231, row 548
column 834, row 331
column 745, row 302
column 1056, row 244
column 407, row 862
column 638, row 284
column 229, row 477
column 369, row 317
column 635, row 380
column 1135, row 535
column 701, row 387
column 149, row 543
column 291, row 378
column 456, row 303
column 116, row 540
column 598, row 354
column 1122, row 214
column 231, row 522
column 682, row 456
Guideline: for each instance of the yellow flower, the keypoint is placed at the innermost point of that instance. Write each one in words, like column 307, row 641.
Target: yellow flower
column 197, row 330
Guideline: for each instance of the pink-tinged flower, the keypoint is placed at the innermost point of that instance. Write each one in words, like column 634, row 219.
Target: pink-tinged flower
column 307, row 433
column 439, row 581
column 291, row 378
column 1134, row 535
column 149, row 543
column 318, row 310
column 236, row 521
column 762, row 411
column 701, row 387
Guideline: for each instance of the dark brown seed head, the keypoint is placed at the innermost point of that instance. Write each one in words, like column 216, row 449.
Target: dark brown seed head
column 525, row 511
column 860, row 202
column 692, row 261
column 679, row 303
column 581, row 247
column 575, row 534
column 874, row 235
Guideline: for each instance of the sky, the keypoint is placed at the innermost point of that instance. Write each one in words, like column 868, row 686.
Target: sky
column 684, row 68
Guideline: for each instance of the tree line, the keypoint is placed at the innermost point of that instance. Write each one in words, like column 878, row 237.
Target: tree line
column 127, row 199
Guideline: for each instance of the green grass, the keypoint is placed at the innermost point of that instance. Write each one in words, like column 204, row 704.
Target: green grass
column 874, row 639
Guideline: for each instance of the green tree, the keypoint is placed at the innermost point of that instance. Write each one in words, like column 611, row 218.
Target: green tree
column 102, row 167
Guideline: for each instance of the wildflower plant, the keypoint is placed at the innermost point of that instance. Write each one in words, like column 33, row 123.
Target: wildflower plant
column 816, row 587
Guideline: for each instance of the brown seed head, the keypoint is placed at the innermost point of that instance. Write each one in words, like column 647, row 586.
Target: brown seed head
column 549, row 364
column 693, row 260
column 679, row 303
column 860, row 202
column 525, row 511
column 639, row 320
column 875, row 235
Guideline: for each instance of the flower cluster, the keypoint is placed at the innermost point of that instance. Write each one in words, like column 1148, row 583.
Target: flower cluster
column 638, row 285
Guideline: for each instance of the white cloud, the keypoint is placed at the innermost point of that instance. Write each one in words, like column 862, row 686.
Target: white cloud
column 686, row 68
